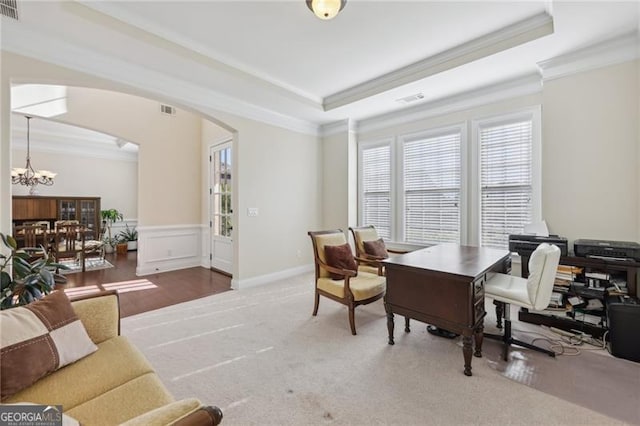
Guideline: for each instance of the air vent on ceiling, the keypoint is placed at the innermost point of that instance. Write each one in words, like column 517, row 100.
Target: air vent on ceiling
column 410, row 99
column 167, row 109
column 9, row 8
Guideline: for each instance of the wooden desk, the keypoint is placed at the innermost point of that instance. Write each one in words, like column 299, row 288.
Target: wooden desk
column 443, row 285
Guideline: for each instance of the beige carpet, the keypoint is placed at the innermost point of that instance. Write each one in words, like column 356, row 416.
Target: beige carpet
column 260, row 356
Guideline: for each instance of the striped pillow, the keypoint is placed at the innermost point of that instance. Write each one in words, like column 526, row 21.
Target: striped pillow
column 39, row 338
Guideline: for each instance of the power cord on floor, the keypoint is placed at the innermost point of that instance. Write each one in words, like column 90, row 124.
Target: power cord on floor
column 567, row 343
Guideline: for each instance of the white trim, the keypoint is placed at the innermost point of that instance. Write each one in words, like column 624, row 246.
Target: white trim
column 613, row 51
column 241, row 284
column 168, row 248
column 505, row 38
column 35, row 45
column 337, row 127
column 535, row 115
column 362, row 145
column 399, row 172
column 520, row 86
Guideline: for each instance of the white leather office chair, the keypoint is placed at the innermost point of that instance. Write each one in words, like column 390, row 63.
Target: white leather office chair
column 532, row 293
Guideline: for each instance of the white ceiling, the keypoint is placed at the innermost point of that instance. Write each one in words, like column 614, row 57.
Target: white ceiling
column 277, row 56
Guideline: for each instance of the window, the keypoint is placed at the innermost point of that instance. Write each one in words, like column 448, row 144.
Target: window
column 506, row 180
column 424, row 188
column 431, row 182
column 375, row 202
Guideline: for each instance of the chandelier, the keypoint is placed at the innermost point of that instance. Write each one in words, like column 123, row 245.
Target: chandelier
column 326, row 9
column 28, row 176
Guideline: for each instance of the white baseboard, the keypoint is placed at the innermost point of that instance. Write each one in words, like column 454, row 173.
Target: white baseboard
column 166, row 266
column 268, row 278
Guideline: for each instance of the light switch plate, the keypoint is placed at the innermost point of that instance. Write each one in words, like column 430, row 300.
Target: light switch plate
column 252, row 211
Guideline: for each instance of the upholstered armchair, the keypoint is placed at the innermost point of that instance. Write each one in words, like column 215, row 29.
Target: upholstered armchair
column 370, row 249
column 337, row 277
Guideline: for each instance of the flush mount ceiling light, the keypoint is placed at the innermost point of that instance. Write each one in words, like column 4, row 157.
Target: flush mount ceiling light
column 326, row 9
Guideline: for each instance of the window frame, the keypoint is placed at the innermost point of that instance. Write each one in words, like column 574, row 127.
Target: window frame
column 534, row 114
column 460, row 128
column 470, row 180
column 362, row 146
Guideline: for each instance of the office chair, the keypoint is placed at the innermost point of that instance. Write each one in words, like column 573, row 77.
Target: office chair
column 342, row 284
column 532, row 293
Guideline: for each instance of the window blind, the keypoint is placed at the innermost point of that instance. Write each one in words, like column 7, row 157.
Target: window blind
column 376, row 189
column 431, row 177
column 506, row 181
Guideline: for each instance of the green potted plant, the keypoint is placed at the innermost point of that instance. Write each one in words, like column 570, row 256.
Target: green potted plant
column 109, row 217
column 130, row 235
column 33, row 274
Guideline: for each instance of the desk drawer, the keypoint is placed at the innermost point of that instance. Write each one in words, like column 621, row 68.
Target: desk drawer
column 478, row 310
column 478, row 289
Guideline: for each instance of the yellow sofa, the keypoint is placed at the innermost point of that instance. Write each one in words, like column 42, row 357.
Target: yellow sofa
column 115, row 384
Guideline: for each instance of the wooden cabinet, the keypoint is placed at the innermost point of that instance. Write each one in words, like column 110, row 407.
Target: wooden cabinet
column 32, row 208
column 86, row 210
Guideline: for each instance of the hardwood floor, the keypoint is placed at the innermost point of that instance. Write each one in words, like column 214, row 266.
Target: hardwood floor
column 141, row 294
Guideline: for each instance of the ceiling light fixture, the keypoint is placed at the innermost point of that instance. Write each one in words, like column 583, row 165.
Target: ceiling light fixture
column 28, row 176
column 326, row 9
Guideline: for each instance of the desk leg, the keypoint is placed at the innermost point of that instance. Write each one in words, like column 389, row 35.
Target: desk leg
column 478, row 337
column 390, row 326
column 406, row 325
column 466, row 351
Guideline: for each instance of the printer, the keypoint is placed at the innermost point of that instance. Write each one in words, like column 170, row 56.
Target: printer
column 525, row 244
column 622, row 250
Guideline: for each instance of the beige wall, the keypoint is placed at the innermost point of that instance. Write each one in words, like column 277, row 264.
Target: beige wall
column 278, row 171
column 340, row 180
column 590, row 144
column 114, row 181
column 335, row 182
column 590, row 154
column 169, row 156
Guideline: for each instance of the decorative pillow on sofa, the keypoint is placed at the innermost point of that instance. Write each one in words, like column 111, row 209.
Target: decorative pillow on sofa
column 376, row 248
column 340, row 257
column 39, row 338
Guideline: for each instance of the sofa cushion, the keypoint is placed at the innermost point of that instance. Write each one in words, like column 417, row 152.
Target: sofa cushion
column 167, row 414
column 114, row 363
column 125, row 402
column 39, row 338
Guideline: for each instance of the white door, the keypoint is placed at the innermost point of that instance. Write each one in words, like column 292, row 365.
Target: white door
column 221, row 212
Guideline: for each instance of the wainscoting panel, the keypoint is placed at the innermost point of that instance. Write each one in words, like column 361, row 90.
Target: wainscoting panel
column 167, row 248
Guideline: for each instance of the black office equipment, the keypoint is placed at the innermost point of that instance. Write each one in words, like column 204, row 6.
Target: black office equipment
column 607, row 249
column 524, row 244
column 624, row 327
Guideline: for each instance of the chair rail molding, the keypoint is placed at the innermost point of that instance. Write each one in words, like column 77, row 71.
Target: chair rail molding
column 168, row 248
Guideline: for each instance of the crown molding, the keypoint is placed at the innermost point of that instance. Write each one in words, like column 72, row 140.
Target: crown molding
column 622, row 48
column 513, row 35
column 26, row 42
column 113, row 10
column 73, row 148
column 330, row 129
column 68, row 144
column 520, row 86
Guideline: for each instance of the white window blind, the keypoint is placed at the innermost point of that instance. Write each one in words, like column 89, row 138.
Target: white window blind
column 506, row 181
column 431, row 177
column 376, row 189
